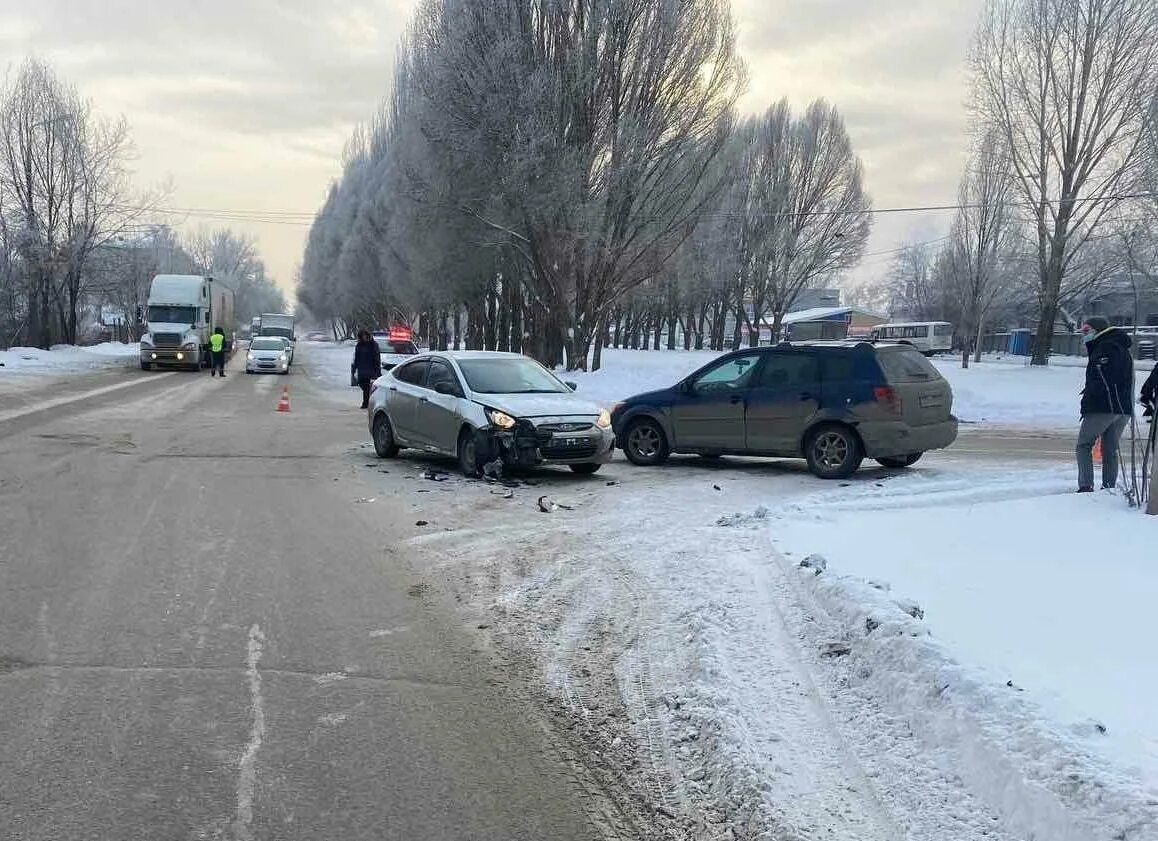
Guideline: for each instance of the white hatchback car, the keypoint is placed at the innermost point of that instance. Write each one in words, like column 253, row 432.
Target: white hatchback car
column 482, row 406
column 267, row 354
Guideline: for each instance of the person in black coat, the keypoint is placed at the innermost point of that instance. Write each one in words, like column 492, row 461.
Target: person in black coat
column 367, row 365
column 1149, row 395
column 1107, row 400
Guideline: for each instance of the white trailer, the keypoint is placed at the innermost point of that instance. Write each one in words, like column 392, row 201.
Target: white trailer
column 183, row 311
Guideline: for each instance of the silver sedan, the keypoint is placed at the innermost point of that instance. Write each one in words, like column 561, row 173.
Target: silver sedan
column 487, row 410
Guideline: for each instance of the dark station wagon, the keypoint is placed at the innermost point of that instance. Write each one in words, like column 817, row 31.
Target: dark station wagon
column 831, row 403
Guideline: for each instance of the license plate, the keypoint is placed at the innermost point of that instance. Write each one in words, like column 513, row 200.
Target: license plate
column 931, row 401
column 570, row 443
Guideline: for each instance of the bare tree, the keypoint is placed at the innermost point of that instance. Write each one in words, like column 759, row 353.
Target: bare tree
column 1065, row 82
column 803, row 211
column 982, row 238
column 63, row 170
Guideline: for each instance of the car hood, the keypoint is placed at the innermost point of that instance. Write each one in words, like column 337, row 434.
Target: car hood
column 539, row 405
column 267, row 354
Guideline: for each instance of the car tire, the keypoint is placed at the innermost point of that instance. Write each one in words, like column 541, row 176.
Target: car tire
column 468, row 461
column 383, row 433
column 644, row 443
column 585, row 469
column 833, row 451
column 146, row 366
column 899, row 462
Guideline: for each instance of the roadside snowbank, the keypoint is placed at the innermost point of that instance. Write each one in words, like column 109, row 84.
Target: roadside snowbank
column 1031, row 674
column 65, row 358
column 772, row 702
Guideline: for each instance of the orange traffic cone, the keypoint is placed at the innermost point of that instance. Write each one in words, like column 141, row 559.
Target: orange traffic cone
column 283, row 404
column 1098, row 451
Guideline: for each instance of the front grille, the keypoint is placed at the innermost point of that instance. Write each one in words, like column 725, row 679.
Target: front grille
column 586, row 451
column 166, row 339
column 564, row 427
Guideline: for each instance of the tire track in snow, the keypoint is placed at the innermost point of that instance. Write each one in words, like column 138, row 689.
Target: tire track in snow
column 247, row 767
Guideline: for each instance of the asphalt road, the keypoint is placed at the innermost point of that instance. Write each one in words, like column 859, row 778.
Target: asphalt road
column 204, row 635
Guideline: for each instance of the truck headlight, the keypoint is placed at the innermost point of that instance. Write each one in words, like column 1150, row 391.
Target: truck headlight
column 500, row 419
column 604, row 421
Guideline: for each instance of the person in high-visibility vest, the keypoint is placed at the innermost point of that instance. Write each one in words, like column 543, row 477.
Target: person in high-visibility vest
column 217, row 350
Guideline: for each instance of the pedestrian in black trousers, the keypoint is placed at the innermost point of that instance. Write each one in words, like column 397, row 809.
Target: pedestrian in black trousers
column 1107, row 400
column 367, row 365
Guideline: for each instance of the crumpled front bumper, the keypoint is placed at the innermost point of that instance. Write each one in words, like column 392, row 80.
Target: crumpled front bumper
column 527, row 446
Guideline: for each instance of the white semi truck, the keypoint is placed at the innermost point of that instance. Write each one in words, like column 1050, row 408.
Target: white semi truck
column 278, row 324
column 183, row 312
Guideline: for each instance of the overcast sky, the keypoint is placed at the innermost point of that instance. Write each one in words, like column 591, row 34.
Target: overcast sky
column 245, row 104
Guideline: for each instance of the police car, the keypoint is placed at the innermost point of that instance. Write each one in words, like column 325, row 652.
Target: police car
column 395, row 346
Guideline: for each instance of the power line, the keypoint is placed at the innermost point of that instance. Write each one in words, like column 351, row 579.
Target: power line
column 306, row 218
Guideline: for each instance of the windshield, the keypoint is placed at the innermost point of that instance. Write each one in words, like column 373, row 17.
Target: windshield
column 172, row 315
column 267, row 344
column 510, row 376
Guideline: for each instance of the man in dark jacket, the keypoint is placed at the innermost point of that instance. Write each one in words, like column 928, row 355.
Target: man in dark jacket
column 367, row 365
column 1107, row 400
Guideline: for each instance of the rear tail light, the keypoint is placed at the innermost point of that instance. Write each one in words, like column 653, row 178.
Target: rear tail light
column 888, row 397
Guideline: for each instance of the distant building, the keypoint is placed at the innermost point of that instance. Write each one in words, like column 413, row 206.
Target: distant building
column 810, row 299
column 831, row 323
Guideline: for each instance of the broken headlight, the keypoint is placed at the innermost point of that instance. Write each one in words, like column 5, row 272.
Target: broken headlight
column 500, row 419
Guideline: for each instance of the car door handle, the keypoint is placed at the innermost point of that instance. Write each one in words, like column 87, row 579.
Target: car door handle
column 736, row 398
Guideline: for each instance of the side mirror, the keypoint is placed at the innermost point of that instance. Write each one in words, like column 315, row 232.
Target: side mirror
column 444, row 387
column 571, row 385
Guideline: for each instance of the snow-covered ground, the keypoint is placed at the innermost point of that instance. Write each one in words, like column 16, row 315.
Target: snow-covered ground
column 1031, row 672
column 972, row 662
column 781, row 703
column 23, row 369
column 63, row 359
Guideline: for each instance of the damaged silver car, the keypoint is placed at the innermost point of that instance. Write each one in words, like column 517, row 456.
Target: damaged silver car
column 489, row 410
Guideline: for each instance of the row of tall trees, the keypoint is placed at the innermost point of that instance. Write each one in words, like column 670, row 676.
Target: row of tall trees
column 548, row 174
column 75, row 233
column 544, row 169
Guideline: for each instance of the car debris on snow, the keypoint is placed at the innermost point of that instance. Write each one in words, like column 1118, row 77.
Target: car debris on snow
column 548, row 505
column 816, row 563
column 835, row 649
column 435, row 475
column 362, row 500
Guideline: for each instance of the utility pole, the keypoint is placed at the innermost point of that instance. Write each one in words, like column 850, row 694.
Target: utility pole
column 1152, row 499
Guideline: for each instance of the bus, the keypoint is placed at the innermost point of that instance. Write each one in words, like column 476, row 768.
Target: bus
column 929, row 337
